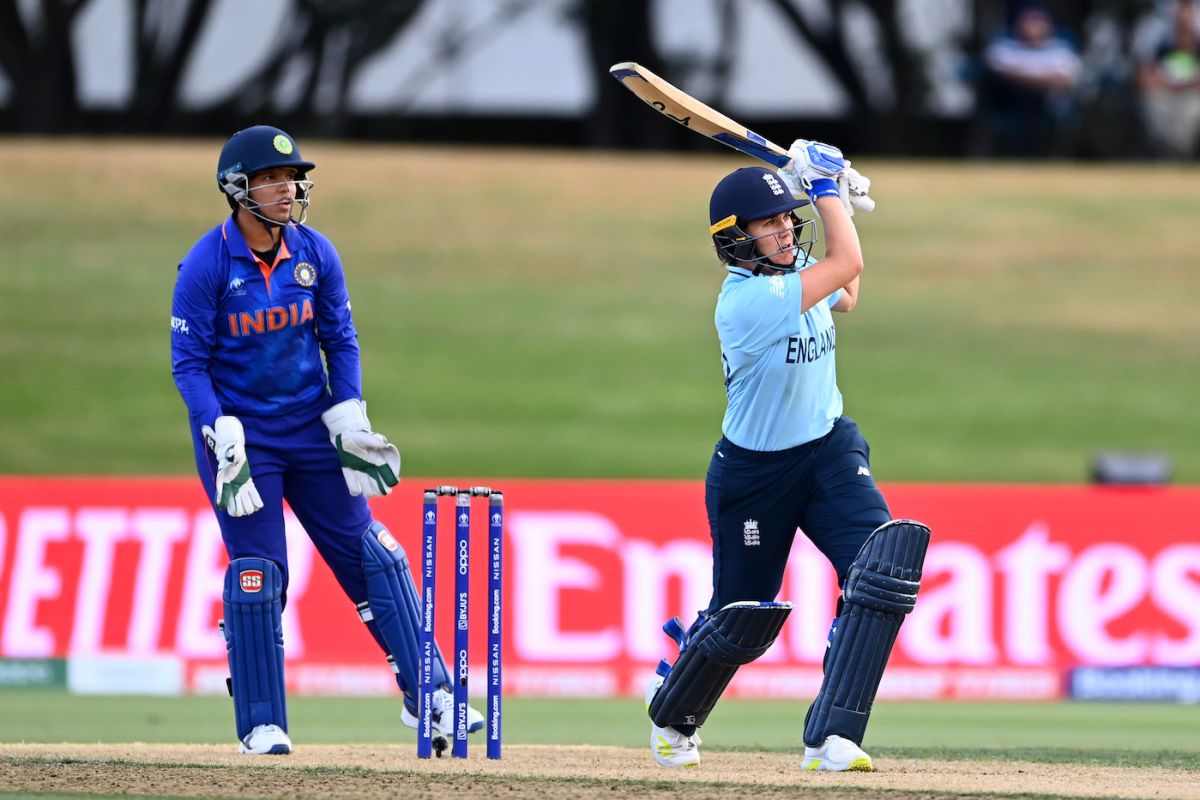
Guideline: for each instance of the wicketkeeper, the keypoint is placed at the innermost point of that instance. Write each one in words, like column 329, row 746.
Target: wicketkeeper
column 258, row 301
column 789, row 459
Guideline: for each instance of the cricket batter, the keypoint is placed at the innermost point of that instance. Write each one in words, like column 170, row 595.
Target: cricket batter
column 258, row 300
column 788, row 459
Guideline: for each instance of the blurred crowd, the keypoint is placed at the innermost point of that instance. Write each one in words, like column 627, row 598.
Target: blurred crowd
column 1042, row 93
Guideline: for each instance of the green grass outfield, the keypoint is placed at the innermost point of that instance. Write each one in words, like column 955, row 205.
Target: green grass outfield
column 1102, row 733
column 538, row 313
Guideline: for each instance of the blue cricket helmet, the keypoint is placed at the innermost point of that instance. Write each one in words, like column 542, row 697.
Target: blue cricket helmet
column 750, row 193
column 255, row 149
column 742, row 196
column 252, row 150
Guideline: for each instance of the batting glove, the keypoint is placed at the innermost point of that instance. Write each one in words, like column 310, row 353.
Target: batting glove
column 236, row 493
column 815, row 167
column 853, row 188
column 370, row 464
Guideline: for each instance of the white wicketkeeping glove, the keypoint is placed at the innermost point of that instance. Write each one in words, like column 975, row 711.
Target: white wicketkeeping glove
column 813, row 170
column 853, row 187
column 370, row 464
column 236, row 492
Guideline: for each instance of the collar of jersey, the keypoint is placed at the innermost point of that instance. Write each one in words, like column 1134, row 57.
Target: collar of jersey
column 236, row 243
column 745, row 273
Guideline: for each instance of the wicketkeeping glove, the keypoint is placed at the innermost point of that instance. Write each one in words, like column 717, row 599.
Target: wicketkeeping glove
column 370, row 464
column 236, row 492
column 814, row 168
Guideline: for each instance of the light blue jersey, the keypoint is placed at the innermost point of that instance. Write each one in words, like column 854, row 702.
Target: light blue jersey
column 779, row 364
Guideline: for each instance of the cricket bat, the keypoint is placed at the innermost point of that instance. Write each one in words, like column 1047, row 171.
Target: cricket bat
column 689, row 112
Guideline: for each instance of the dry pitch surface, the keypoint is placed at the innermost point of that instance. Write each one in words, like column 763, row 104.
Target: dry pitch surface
column 362, row 771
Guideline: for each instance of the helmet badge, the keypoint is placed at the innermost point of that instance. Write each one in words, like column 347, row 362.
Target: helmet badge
column 283, row 144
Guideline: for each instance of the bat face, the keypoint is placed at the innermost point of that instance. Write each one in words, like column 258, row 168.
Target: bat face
column 681, row 107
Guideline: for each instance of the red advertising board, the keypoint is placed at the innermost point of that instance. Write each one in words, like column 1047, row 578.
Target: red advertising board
column 1021, row 583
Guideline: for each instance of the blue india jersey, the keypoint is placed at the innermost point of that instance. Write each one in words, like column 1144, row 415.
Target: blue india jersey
column 247, row 337
column 780, row 375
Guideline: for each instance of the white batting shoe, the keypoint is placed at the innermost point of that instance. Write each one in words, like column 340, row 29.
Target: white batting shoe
column 670, row 747
column 837, row 754
column 443, row 715
column 266, row 740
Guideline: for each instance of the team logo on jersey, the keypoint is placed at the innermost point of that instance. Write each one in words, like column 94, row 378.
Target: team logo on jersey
column 864, row 471
column 778, row 287
column 306, row 274
column 773, row 182
column 387, row 540
column 283, row 144
column 750, row 533
column 251, row 580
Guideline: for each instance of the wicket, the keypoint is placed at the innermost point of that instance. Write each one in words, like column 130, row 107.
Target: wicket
column 462, row 567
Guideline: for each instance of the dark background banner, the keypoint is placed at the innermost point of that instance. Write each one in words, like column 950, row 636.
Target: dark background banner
column 875, row 76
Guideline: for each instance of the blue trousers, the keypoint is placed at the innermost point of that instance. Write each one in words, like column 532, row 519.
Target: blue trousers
column 757, row 500
column 292, row 459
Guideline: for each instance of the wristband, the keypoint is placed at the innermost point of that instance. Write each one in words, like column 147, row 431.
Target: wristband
column 823, row 187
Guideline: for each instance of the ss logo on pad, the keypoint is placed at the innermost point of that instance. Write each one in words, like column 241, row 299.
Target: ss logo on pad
column 251, row 580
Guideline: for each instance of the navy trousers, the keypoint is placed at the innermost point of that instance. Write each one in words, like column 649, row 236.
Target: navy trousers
column 757, row 500
column 292, row 459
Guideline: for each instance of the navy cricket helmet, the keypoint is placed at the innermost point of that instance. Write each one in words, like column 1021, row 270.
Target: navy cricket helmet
column 749, row 194
column 253, row 150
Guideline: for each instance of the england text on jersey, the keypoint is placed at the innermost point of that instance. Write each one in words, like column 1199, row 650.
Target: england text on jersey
column 806, row 350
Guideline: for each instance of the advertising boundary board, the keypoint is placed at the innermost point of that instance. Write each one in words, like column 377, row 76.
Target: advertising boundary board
column 1023, row 584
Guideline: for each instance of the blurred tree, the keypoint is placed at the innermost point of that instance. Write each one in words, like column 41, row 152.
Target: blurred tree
column 164, row 37
column 325, row 42
column 893, row 62
column 829, row 42
column 885, row 80
column 37, row 56
column 618, row 30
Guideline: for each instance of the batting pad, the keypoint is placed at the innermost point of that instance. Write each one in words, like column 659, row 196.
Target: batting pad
column 393, row 603
column 254, row 643
column 880, row 589
column 734, row 635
